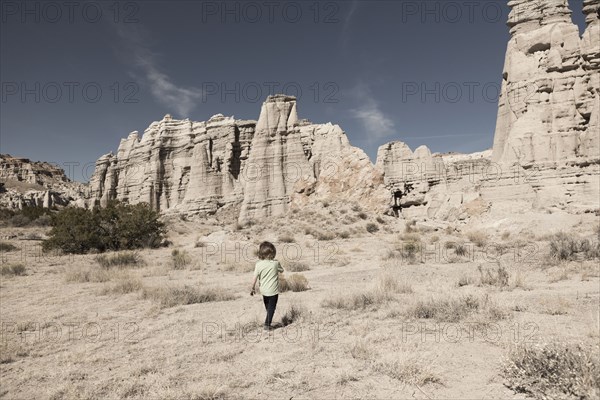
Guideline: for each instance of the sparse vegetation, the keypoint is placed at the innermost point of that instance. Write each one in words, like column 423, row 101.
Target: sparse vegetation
column 478, row 237
column 116, row 227
column 294, row 283
column 27, row 216
column 7, row 247
column 297, row 266
column 180, row 259
column 174, row 296
column 362, row 215
column 292, row 314
column 554, row 371
column 126, row 283
column 120, row 260
column 493, row 277
column 354, row 301
column 12, row 270
column 372, row 227
column 565, row 247
column 409, row 372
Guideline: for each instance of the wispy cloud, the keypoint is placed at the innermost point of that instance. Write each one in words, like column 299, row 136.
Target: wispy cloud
column 375, row 123
column 348, row 21
column 135, row 40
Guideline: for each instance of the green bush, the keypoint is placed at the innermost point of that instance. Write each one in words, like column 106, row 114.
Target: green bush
column 116, row 227
column 26, row 216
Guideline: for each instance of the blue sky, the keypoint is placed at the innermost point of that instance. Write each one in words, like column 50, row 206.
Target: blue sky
column 77, row 79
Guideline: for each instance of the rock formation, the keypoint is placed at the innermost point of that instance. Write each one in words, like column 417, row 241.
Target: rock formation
column 26, row 183
column 550, row 99
column 265, row 166
column 177, row 166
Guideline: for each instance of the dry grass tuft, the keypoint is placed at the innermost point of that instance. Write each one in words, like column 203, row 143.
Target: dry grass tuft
column 388, row 283
column 554, row 370
column 480, row 238
column 293, row 314
column 498, row 277
column 174, row 296
column 287, row 238
column 455, row 309
column 294, row 283
column 180, row 259
column 297, row 266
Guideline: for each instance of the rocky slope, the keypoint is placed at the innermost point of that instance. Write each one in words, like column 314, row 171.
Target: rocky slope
column 35, row 184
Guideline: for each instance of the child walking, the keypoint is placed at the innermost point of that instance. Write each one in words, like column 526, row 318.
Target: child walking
column 267, row 271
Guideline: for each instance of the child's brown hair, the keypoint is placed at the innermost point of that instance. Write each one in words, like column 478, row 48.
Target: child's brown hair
column 266, row 251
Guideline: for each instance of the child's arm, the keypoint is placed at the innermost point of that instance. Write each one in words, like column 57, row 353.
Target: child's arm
column 252, row 291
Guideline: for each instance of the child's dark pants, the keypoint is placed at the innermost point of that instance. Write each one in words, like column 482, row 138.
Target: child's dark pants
column 270, row 304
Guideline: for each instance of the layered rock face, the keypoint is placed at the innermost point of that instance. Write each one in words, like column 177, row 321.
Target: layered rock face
column 26, row 183
column 177, row 166
column 550, row 100
column 264, row 167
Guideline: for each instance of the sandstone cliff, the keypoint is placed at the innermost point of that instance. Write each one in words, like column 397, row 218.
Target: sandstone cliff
column 550, row 100
column 264, row 167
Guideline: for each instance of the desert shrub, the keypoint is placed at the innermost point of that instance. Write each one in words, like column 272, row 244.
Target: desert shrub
column 7, row 247
column 362, row 215
column 554, row 371
column 287, row 238
column 297, row 266
column 180, row 259
column 12, row 270
column 505, row 235
column 27, row 216
column 380, row 220
column 372, row 228
column 409, row 250
column 321, row 235
column 460, row 250
column 294, row 283
column 464, row 280
column 478, row 237
column 344, row 234
column 449, row 245
column 199, row 243
column 120, row 260
column 292, row 314
column 498, row 277
column 117, row 227
column 563, row 246
column 174, row 296
column 446, row 310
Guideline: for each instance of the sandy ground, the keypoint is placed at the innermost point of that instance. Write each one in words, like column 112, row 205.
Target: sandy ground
column 79, row 340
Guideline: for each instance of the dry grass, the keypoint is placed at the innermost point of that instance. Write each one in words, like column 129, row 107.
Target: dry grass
column 493, row 277
column 12, row 270
column 455, row 309
column 297, row 266
column 389, row 283
column 88, row 274
column 124, row 284
column 294, row 283
column 354, row 301
column 286, row 238
column 554, row 371
column 174, row 296
column 180, row 259
column 292, row 314
column 120, row 260
column 478, row 237
column 565, row 247
column 411, row 372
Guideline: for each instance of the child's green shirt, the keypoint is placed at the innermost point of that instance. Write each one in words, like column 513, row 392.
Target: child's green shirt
column 268, row 276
